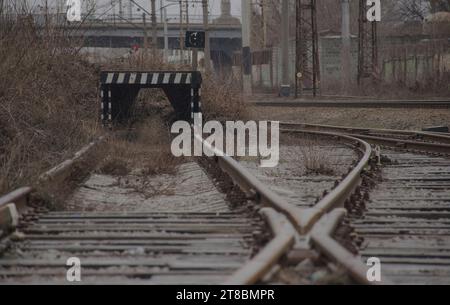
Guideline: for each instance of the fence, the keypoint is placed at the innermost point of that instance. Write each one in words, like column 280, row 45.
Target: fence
column 416, row 64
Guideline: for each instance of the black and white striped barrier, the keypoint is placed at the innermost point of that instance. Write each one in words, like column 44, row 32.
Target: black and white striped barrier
column 119, row 89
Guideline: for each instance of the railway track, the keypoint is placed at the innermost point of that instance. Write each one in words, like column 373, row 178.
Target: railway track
column 406, row 223
column 121, row 237
column 403, row 139
column 148, row 246
column 153, row 246
column 404, row 219
column 362, row 103
column 313, row 230
column 308, row 167
column 131, row 248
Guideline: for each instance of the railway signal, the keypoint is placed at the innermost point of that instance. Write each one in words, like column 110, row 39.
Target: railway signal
column 195, row 39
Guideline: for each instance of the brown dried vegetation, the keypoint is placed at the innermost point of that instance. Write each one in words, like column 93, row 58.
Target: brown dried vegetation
column 222, row 99
column 48, row 105
column 145, row 146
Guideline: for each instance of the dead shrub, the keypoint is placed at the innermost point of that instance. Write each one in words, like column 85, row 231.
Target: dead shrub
column 222, row 99
column 142, row 60
column 48, row 95
column 113, row 166
column 314, row 157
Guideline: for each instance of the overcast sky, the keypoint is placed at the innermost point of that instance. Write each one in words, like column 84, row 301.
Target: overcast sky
column 195, row 9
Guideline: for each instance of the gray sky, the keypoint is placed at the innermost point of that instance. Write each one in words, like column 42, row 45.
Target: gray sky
column 195, row 9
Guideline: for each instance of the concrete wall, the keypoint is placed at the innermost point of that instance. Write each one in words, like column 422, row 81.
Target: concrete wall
column 329, row 58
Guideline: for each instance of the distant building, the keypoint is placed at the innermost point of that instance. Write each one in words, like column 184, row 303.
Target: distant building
column 225, row 15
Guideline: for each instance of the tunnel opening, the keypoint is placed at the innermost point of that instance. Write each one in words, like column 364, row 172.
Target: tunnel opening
column 119, row 90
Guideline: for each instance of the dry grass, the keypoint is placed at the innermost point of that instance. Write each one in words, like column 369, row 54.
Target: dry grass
column 145, row 149
column 316, row 160
column 314, row 157
column 141, row 60
column 222, row 99
column 141, row 150
column 48, row 105
column 135, row 156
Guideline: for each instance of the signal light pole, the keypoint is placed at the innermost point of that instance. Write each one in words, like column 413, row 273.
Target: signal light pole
column 246, row 50
column 285, row 82
column 346, row 46
column 154, row 30
column 207, row 58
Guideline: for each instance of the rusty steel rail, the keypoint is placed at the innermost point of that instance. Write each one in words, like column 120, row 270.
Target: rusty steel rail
column 346, row 187
column 256, row 268
column 321, row 235
column 262, row 263
column 321, row 238
column 374, row 132
column 325, row 216
column 251, row 186
column 284, row 231
column 303, row 220
column 19, row 197
column 11, row 205
column 345, row 103
column 62, row 170
column 407, row 144
column 17, row 200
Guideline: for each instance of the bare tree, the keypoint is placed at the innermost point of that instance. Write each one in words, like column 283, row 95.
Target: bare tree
column 419, row 9
column 413, row 9
column 440, row 6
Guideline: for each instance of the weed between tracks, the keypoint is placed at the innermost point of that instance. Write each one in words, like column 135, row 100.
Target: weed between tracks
column 313, row 159
column 144, row 150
